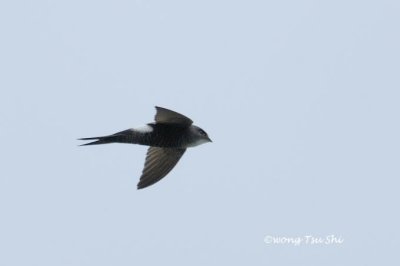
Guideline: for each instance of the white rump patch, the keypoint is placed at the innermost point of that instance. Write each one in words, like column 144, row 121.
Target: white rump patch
column 144, row 129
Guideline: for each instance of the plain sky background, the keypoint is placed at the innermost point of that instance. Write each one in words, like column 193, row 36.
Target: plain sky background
column 301, row 99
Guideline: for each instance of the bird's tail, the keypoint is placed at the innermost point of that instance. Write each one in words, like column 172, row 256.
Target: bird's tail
column 120, row 137
column 99, row 140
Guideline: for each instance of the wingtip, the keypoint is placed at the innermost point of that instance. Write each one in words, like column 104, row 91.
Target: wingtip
column 141, row 185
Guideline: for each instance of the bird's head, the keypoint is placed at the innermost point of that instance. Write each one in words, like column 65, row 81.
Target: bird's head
column 199, row 136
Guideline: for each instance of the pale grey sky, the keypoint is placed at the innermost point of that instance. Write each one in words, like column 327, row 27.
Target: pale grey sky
column 301, row 99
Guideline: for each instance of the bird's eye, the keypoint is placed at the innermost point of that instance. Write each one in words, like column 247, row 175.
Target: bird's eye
column 202, row 132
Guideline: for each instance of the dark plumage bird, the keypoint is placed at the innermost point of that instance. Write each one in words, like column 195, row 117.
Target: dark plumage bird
column 168, row 139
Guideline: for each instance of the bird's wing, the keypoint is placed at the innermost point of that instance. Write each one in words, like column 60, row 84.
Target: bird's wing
column 166, row 116
column 159, row 162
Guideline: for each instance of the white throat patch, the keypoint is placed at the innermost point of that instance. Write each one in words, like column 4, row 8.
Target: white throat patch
column 197, row 142
column 144, row 129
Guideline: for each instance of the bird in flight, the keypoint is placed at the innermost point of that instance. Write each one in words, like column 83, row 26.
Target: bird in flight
column 168, row 138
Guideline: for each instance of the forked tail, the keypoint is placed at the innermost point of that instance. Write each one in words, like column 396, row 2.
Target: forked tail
column 99, row 140
column 120, row 137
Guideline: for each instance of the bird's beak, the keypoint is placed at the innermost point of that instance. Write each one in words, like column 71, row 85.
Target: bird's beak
column 209, row 139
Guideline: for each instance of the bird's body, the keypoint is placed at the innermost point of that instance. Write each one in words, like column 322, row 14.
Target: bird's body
column 155, row 135
column 168, row 139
